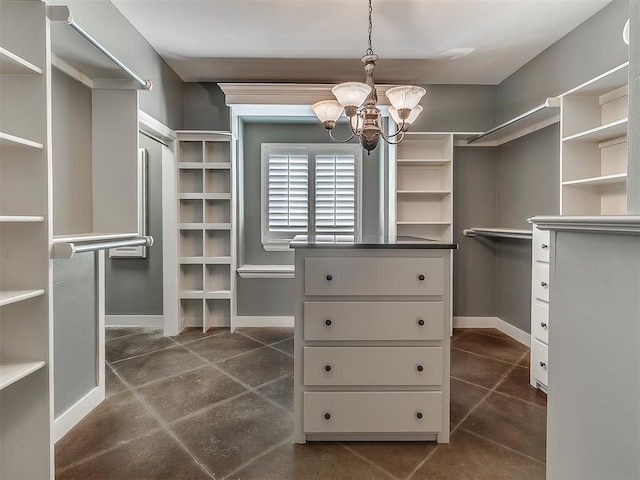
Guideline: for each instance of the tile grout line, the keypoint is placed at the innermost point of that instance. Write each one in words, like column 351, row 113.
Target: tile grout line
column 423, row 462
column 370, row 462
column 176, row 344
column 257, row 457
column 508, row 395
column 498, row 444
column 453, row 347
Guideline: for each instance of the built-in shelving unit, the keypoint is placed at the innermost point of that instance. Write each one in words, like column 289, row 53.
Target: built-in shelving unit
column 594, row 146
column 26, row 356
column 205, row 229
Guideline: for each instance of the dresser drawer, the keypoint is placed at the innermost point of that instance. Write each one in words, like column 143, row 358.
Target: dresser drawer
column 373, row 320
column 539, row 362
column 372, row 412
column 373, row 365
column 540, row 321
column 541, row 244
column 374, row 276
column 541, row 281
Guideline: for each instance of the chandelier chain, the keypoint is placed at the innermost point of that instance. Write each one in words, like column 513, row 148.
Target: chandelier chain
column 370, row 50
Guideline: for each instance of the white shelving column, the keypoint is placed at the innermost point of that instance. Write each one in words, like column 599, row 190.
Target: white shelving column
column 594, row 146
column 206, row 243
column 26, row 368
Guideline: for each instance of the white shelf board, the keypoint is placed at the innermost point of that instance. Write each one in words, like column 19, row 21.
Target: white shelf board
column 266, row 271
column 21, row 218
column 11, row 141
column 608, row 81
column 498, row 232
column 14, row 64
column 600, row 134
column 205, row 226
column 205, row 196
column 190, row 165
column 205, row 260
column 10, row 373
column 91, row 237
column 191, row 294
column 217, row 294
column 423, row 223
column 597, row 181
column 422, row 162
column 204, row 165
column 438, row 193
column 13, row 296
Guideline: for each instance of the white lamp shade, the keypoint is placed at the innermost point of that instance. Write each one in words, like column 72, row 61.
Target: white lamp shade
column 405, row 97
column 351, row 94
column 410, row 119
column 327, row 110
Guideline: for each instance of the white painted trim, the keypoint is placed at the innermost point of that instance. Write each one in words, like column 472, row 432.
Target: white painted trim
column 614, row 224
column 134, row 321
column 150, row 125
column 256, row 321
column 70, row 418
column 493, row 322
column 266, row 271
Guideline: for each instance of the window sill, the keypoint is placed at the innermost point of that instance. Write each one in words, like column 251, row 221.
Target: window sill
column 277, row 246
column 266, row 271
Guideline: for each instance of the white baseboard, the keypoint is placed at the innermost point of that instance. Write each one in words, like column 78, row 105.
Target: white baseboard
column 256, row 321
column 134, row 321
column 493, row 322
column 69, row 419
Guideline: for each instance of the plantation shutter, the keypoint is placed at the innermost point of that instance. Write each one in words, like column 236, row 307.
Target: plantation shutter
column 288, row 193
column 335, row 202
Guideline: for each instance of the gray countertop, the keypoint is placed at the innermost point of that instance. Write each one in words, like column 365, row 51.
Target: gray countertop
column 367, row 241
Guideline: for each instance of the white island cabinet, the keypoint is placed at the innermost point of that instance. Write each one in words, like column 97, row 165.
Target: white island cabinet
column 371, row 338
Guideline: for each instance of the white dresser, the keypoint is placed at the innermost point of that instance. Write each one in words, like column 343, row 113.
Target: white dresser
column 540, row 309
column 371, row 339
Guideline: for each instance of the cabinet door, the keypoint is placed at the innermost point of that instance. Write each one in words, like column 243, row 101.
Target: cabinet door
column 374, row 276
column 372, row 412
column 373, row 320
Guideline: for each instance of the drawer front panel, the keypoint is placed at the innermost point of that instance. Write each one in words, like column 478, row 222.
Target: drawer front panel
column 373, row 320
column 540, row 321
column 540, row 362
column 372, row 412
column 373, row 365
column 541, row 244
column 541, row 281
column 374, row 276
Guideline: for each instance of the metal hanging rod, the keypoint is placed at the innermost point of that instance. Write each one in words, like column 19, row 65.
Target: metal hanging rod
column 550, row 102
column 69, row 249
column 61, row 13
column 498, row 233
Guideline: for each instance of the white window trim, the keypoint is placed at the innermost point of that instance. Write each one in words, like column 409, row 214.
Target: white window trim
column 273, row 245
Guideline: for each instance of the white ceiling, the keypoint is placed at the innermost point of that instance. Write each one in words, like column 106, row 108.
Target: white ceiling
column 322, row 40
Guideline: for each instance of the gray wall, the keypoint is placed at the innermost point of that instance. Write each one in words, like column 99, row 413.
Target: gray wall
column 633, row 179
column 105, row 23
column 474, row 205
column 205, row 107
column 74, row 330
column 592, row 48
column 133, row 286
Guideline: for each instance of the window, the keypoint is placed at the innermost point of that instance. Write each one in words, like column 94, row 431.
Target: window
column 309, row 189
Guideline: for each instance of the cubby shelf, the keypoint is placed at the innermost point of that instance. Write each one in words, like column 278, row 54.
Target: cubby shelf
column 423, row 223
column 21, row 219
column 600, row 134
column 13, row 64
column 205, row 226
column 13, row 296
column 205, row 196
column 597, row 181
column 408, row 162
column 11, row 141
column 10, row 373
column 205, row 260
column 205, row 165
column 437, row 193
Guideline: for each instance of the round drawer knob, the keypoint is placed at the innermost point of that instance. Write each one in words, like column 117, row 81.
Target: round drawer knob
column 421, row 322
column 544, row 284
column 327, row 322
column 545, row 246
column 542, row 364
column 327, row 368
column 543, row 325
column 329, row 278
column 421, row 277
column 327, row 416
column 420, row 368
column 419, row 415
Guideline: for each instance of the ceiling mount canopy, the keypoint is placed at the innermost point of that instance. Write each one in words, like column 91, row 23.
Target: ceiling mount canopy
column 358, row 102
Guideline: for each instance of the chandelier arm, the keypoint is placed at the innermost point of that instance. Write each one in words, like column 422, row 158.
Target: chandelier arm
column 340, row 141
column 387, row 138
column 397, row 132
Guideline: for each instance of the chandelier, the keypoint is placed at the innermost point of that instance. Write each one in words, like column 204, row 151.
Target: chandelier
column 358, row 102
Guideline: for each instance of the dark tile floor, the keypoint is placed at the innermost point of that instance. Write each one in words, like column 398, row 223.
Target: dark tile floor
column 219, row 405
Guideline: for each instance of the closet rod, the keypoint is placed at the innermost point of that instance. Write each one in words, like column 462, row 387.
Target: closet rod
column 59, row 13
column 497, row 233
column 68, row 250
column 550, row 102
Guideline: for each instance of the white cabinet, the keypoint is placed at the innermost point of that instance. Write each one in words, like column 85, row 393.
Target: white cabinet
column 26, row 356
column 205, row 229
column 372, row 343
column 540, row 308
column 594, row 146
